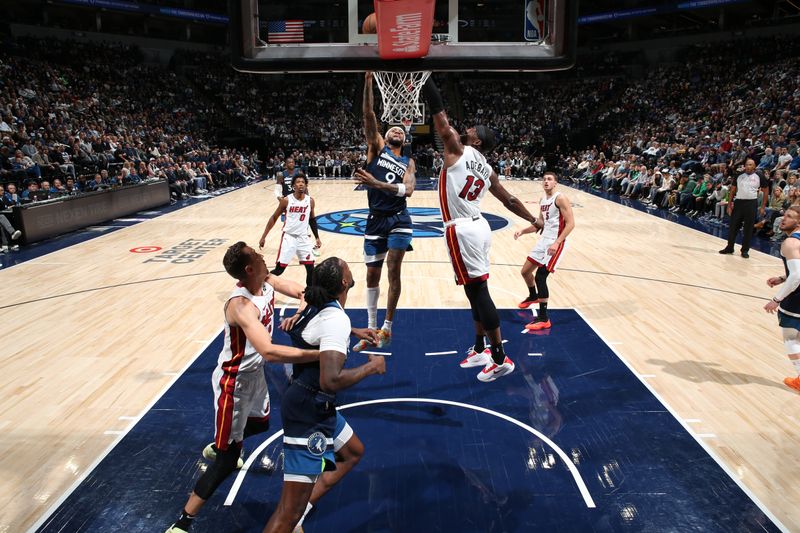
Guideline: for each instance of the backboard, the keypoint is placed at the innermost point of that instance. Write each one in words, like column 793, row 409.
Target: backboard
column 274, row 36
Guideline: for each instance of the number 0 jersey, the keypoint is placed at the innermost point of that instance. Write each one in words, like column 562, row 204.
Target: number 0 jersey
column 462, row 185
column 297, row 213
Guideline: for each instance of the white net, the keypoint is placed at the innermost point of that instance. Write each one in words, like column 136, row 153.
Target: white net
column 400, row 94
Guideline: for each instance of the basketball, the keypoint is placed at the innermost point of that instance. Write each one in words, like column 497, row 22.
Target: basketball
column 370, row 24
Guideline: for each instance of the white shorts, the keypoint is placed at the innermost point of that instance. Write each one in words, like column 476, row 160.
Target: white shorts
column 540, row 257
column 237, row 397
column 299, row 246
column 469, row 241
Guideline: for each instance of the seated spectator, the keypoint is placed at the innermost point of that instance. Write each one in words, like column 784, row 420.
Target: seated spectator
column 10, row 198
column 98, row 183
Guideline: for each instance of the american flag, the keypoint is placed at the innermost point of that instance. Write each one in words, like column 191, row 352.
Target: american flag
column 285, row 31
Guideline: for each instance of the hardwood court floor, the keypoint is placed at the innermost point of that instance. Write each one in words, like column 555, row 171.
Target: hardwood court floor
column 99, row 331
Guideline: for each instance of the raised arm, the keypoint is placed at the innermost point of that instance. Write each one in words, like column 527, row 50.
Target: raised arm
column 242, row 313
column 374, row 139
column 287, row 287
column 271, row 222
column 449, row 136
column 508, row 200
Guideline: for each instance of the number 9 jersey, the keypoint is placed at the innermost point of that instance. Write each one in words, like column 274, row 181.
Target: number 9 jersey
column 462, row 186
column 388, row 168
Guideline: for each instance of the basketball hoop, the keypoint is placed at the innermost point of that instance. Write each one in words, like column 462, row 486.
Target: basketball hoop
column 400, row 95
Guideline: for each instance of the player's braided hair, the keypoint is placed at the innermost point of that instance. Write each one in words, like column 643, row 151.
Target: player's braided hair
column 326, row 282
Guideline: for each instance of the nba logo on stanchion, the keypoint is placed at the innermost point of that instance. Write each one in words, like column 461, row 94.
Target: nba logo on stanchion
column 534, row 20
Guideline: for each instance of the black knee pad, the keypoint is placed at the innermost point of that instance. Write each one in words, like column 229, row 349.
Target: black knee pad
column 278, row 270
column 541, row 282
column 483, row 308
column 221, row 468
column 255, row 426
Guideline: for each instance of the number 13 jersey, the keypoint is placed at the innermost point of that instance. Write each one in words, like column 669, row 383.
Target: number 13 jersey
column 462, row 185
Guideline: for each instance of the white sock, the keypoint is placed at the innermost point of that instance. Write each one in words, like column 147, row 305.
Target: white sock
column 372, row 306
column 387, row 325
column 300, row 523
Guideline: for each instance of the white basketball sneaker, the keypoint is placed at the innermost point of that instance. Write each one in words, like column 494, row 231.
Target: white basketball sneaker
column 492, row 370
column 476, row 358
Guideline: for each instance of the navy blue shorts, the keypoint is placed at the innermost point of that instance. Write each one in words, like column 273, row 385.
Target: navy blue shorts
column 788, row 321
column 384, row 233
column 312, row 431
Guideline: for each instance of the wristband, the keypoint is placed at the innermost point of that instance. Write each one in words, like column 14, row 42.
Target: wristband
column 776, row 300
column 401, row 189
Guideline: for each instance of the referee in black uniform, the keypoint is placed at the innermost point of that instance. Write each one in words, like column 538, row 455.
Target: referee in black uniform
column 743, row 208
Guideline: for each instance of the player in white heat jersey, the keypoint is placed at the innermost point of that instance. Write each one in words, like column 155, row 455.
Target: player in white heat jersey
column 241, row 398
column 464, row 180
column 299, row 210
column 555, row 222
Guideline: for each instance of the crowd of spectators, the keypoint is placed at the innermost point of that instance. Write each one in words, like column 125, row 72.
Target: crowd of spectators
column 678, row 138
column 673, row 139
column 78, row 117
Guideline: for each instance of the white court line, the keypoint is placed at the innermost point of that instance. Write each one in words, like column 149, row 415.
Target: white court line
column 536, row 354
column 702, row 443
column 375, row 353
column 127, row 418
column 587, row 498
column 113, row 432
column 111, row 446
column 441, row 353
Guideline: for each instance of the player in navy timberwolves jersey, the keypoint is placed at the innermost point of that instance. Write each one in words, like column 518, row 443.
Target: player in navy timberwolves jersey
column 390, row 179
column 283, row 179
column 787, row 301
column 319, row 446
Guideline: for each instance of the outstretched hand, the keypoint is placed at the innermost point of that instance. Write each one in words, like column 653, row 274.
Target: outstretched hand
column 362, row 177
column 288, row 323
column 367, row 334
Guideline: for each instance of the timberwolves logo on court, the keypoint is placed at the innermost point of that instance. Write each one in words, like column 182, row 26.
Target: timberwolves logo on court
column 317, row 443
column 426, row 222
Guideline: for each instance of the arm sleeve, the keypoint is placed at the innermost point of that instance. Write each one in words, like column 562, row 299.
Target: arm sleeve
column 432, row 96
column 792, row 281
column 278, row 191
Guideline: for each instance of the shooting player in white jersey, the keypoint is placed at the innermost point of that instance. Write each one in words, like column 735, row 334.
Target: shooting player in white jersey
column 555, row 221
column 464, row 181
